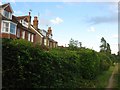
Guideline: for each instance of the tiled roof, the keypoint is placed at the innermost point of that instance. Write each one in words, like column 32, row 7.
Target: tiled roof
column 27, row 29
column 13, row 18
column 4, row 5
column 21, row 17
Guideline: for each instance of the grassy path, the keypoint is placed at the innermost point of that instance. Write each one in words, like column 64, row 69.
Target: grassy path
column 111, row 82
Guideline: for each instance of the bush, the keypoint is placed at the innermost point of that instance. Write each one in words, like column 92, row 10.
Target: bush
column 29, row 66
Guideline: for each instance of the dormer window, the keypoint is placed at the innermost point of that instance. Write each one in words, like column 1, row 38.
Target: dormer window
column 7, row 14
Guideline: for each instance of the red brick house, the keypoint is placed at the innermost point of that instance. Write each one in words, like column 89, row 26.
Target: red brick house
column 20, row 27
column 47, row 38
column 10, row 27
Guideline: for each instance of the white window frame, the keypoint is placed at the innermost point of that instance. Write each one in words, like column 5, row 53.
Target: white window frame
column 24, row 23
column 9, row 14
column 23, row 34
column 18, row 33
column 45, row 41
column 32, row 37
column 15, row 28
column 2, row 30
column 8, row 28
column 28, row 36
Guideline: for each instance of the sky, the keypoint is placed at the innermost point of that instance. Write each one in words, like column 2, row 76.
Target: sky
column 86, row 22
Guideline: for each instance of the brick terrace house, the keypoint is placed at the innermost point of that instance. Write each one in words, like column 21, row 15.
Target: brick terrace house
column 11, row 27
column 20, row 27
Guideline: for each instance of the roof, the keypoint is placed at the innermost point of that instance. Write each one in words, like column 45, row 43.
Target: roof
column 4, row 6
column 13, row 18
column 36, row 30
column 23, row 17
column 27, row 29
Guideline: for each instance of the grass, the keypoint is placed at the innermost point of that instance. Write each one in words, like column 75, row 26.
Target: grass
column 117, row 78
column 102, row 79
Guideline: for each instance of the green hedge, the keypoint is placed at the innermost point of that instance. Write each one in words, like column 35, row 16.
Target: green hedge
column 28, row 66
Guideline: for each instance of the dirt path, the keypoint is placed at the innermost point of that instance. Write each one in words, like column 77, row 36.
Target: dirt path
column 111, row 80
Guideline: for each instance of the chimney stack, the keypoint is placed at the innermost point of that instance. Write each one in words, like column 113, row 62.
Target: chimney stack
column 49, row 30
column 29, row 20
column 35, row 22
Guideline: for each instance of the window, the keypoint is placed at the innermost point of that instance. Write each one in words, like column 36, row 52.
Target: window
column 23, row 35
column 12, row 28
column 28, row 36
column 32, row 38
column 8, row 27
column 18, row 33
column 44, row 41
column 5, row 27
column 6, row 14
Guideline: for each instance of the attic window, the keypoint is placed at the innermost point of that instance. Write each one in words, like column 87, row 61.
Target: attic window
column 7, row 14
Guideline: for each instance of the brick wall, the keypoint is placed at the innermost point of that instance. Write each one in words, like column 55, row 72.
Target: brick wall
column 6, row 35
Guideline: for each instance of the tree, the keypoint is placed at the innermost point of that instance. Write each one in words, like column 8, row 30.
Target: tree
column 103, row 45
column 108, row 48
column 80, row 44
column 73, row 44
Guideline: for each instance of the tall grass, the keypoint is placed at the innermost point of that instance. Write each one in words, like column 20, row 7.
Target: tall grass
column 103, row 79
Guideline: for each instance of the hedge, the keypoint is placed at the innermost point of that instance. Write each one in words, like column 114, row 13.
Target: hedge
column 25, row 65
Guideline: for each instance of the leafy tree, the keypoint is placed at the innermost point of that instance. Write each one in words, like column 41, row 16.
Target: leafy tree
column 103, row 45
column 108, row 48
column 73, row 43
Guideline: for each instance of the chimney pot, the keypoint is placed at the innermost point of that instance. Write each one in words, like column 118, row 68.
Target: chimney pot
column 35, row 22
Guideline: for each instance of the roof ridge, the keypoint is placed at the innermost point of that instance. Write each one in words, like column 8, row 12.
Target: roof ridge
column 3, row 5
column 23, row 16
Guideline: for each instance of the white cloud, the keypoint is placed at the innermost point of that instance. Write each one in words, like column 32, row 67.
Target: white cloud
column 57, row 20
column 91, row 29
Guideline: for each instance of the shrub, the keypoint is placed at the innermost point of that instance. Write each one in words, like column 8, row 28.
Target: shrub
column 29, row 66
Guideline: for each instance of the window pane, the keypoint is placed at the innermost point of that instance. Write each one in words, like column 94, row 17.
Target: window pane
column 32, row 38
column 18, row 33
column 6, row 14
column 23, row 34
column 12, row 28
column 5, row 27
column 28, row 36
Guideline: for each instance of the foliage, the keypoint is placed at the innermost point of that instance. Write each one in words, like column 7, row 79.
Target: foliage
column 105, row 47
column 28, row 66
column 73, row 44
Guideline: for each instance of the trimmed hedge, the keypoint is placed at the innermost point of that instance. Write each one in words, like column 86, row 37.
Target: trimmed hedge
column 28, row 66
